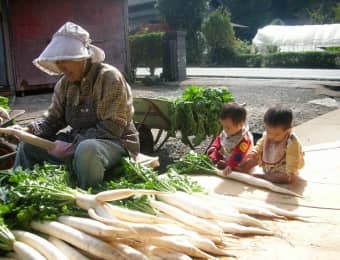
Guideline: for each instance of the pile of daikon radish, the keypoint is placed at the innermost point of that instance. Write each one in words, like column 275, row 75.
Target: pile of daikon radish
column 187, row 226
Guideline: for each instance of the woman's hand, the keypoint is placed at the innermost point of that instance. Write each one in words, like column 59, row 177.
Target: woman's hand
column 4, row 114
column 62, row 149
column 20, row 128
column 13, row 138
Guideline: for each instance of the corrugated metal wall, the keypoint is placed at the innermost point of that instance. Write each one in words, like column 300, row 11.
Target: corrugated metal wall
column 33, row 22
column 3, row 67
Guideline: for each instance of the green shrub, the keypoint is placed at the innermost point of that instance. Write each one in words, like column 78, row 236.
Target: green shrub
column 222, row 56
column 146, row 50
column 280, row 60
column 302, row 60
column 333, row 49
column 247, row 60
column 243, row 47
column 228, row 58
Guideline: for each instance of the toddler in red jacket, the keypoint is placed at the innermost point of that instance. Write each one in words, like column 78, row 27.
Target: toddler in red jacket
column 235, row 141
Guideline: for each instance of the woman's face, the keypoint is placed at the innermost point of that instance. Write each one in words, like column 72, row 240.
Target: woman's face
column 72, row 69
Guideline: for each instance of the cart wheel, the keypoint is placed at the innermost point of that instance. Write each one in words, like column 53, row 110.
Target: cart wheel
column 6, row 148
column 145, row 138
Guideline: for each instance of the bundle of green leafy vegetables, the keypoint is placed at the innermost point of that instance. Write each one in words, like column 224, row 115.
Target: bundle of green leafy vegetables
column 6, row 238
column 196, row 112
column 193, row 163
column 43, row 192
column 135, row 176
column 38, row 194
column 4, row 102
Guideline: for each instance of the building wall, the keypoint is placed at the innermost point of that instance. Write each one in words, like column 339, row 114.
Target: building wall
column 33, row 22
column 3, row 67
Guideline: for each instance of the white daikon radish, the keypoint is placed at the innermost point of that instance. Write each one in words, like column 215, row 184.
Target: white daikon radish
column 40, row 244
column 198, row 224
column 76, row 238
column 68, row 250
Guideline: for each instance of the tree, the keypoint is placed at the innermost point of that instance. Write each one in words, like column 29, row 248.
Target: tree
column 219, row 34
column 317, row 16
column 336, row 11
column 258, row 13
column 326, row 12
column 188, row 16
column 252, row 13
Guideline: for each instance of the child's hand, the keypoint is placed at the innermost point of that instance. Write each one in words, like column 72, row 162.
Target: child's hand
column 211, row 150
column 248, row 163
column 221, row 164
column 251, row 157
column 227, row 170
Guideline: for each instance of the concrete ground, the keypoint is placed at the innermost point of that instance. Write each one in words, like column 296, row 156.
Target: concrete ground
column 323, row 129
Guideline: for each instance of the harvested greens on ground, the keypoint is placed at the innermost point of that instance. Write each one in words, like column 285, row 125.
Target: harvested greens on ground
column 193, row 163
column 138, row 214
column 38, row 194
column 196, row 112
column 135, row 176
column 43, row 193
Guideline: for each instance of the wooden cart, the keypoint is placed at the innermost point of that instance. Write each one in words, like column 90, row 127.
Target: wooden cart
column 8, row 150
column 152, row 113
column 152, row 119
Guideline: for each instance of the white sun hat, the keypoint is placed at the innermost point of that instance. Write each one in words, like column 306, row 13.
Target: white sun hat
column 70, row 42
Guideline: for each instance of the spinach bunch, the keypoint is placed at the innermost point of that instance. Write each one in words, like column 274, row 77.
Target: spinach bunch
column 196, row 112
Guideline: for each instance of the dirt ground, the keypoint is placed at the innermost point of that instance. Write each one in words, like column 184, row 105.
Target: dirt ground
column 258, row 94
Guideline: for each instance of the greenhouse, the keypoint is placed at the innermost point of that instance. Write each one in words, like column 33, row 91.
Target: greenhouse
column 297, row 38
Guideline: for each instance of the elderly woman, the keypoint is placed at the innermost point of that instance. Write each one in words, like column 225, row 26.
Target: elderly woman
column 92, row 100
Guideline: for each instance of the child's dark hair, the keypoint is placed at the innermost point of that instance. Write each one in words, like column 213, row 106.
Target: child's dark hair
column 279, row 116
column 237, row 113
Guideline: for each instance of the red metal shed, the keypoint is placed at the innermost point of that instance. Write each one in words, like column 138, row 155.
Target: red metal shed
column 28, row 26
